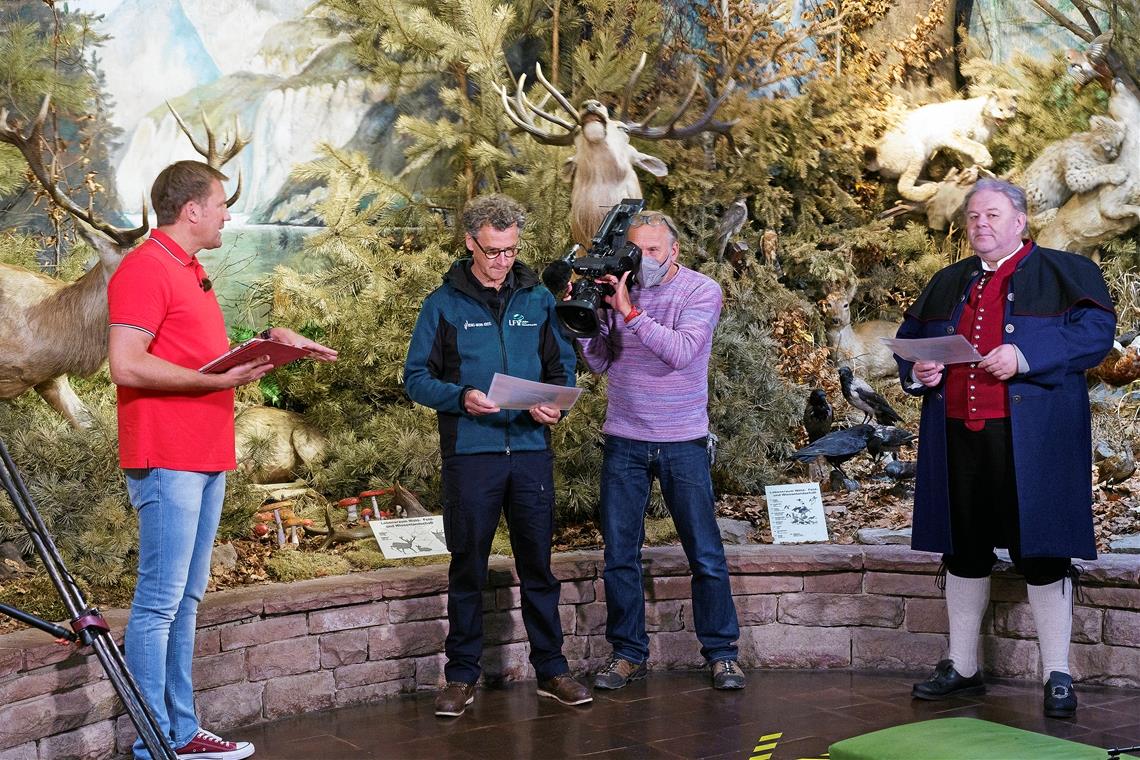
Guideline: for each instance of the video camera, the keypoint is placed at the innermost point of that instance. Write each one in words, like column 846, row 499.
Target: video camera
column 610, row 253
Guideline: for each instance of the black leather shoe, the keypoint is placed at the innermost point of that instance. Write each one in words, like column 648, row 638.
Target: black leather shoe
column 1060, row 699
column 947, row 682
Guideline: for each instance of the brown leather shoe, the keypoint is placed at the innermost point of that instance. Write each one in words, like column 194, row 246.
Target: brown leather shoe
column 565, row 689
column 453, row 700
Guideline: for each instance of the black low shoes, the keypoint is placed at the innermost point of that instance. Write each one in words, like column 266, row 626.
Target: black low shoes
column 947, row 682
column 1060, row 699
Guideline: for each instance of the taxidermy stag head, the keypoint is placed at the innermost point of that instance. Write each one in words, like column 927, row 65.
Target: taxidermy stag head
column 49, row 328
column 602, row 167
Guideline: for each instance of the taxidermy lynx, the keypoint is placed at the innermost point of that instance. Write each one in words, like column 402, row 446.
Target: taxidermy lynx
column 1077, row 164
column 962, row 125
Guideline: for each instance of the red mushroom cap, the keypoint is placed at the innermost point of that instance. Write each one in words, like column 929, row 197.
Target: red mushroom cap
column 350, row 501
column 381, row 492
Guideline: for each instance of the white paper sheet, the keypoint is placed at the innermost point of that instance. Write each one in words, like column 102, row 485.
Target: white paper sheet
column 947, row 349
column 515, row 393
column 795, row 511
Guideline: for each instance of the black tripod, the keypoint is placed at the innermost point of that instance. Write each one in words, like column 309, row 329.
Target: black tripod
column 88, row 625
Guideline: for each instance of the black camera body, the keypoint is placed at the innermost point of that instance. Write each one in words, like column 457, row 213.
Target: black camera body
column 610, row 253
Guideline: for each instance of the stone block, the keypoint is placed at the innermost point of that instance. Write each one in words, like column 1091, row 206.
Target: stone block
column 663, row 561
column 283, row 658
column 895, row 650
column 926, row 616
column 576, row 565
column 900, row 559
column 1010, row 658
column 95, row 741
column 1016, row 621
column 346, row 618
column 599, row 590
column 901, row 584
column 840, row 609
column 265, row 631
column 50, row 714
column 1112, row 570
column 1008, row 589
column 507, row 662
column 501, row 572
column 883, row 537
column 417, row 608
column 770, row 558
column 373, row 692
column 429, row 671
column 576, row 648
column 833, row 583
column 672, row 587
column 508, row 598
column 322, row 593
column 1120, row 598
column 663, row 616
column 22, row 752
column 343, row 648
column 1129, row 544
column 1108, row 665
column 234, row 604
column 577, row 592
column 590, row 619
column 48, row 680
column 566, row 616
column 11, row 659
column 1122, row 628
column 40, row 655
column 375, row 671
column 207, row 641
column 793, row 646
column 218, row 670
column 407, row 639
column 503, row 627
column 754, row 609
column 675, row 649
column 299, row 694
column 765, row 584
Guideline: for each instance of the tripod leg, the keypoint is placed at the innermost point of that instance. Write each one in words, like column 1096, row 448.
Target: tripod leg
column 141, row 716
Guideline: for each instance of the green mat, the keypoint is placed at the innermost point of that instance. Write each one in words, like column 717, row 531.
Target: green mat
column 961, row 739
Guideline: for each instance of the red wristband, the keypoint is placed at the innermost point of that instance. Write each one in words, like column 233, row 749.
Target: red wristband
column 634, row 312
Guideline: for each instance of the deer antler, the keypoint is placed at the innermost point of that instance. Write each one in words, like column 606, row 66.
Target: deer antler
column 30, row 147
column 521, row 109
column 213, row 158
column 706, row 123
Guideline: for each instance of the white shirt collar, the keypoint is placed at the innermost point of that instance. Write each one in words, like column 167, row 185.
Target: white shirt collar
column 986, row 267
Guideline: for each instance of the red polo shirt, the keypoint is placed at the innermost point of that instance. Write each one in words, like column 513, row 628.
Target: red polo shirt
column 973, row 394
column 157, row 289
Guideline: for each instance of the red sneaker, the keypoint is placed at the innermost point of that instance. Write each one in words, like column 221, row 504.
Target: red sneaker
column 208, row 746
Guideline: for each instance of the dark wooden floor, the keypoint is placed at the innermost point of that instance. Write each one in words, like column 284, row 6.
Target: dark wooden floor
column 676, row 715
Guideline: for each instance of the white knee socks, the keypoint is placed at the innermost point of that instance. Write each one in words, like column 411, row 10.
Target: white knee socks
column 1053, row 614
column 966, row 602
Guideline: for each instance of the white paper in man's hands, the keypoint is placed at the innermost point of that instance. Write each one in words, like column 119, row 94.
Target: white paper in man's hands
column 946, row 349
column 515, row 393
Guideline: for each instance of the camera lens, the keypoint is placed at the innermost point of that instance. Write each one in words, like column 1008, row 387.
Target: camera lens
column 578, row 315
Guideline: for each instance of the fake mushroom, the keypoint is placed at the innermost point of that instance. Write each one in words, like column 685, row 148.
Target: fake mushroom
column 350, row 506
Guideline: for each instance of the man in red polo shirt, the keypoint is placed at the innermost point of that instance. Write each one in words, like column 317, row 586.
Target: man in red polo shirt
column 1004, row 456
column 176, row 438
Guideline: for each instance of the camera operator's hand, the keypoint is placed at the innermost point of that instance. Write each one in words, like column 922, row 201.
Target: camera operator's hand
column 620, row 298
column 476, row 404
column 545, row 414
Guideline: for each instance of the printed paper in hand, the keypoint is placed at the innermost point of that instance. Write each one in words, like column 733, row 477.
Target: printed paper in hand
column 795, row 511
column 515, row 393
column 410, row 536
column 947, row 349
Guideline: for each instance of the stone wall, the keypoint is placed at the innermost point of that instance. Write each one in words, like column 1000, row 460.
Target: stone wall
column 266, row 652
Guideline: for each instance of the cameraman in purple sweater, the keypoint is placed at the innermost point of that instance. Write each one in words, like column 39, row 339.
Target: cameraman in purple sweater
column 654, row 343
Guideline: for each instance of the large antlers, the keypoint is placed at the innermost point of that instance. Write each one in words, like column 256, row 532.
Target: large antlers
column 214, row 158
column 706, row 123
column 520, row 112
column 30, row 146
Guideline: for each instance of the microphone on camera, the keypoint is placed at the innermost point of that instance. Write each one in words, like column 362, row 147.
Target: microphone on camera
column 556, row 277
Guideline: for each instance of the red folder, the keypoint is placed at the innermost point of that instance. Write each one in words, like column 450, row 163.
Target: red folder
column 279, row 353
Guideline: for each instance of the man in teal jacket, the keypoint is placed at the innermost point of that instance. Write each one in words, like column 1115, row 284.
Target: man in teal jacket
column 491, row 314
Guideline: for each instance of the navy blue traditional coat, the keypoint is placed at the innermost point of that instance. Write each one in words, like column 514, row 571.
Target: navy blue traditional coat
column 1059, row 314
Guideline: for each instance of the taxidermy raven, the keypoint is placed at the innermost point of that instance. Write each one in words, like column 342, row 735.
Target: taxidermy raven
column 864, row 398
column 887, row 439
column 837, row 447
column 900, row 470
column 818, row 415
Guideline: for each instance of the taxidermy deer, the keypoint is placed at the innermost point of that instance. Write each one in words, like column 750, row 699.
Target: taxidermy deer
column 602, row 167
column 50, row 329
column 857, row 345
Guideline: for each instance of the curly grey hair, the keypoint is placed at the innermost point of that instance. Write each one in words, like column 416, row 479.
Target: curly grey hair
column 499, row 211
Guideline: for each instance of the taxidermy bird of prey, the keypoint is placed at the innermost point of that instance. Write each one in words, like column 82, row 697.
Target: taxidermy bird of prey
column 887, row 439
column 1092, row 62
column 837, row 447
column 864, row 398
column 818, row 415
column 770, row 250
column 730, row 224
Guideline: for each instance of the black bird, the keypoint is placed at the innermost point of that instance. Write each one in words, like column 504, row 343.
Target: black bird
column 837, row 447
column 818, row 415
column 900, row 469
column 864, row 398
column 887, row 439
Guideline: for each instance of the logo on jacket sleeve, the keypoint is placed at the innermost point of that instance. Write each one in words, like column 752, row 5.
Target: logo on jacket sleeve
column 519, row 320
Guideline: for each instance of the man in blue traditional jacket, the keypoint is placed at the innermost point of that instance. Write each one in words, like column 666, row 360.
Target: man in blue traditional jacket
column 1004, row 456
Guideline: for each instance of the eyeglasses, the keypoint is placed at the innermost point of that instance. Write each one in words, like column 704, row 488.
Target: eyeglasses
column 494, row 253
column 652, row 219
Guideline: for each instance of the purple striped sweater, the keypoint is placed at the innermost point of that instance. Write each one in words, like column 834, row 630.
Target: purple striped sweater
column 658, row 364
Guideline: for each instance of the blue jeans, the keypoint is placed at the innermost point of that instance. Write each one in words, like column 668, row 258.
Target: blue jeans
column 178, row 518
column 628, row 469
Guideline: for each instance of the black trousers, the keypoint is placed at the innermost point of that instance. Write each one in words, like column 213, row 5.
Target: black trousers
column 983, row 505
column 477, row 489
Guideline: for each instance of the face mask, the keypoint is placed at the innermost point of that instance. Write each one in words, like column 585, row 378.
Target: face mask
column 652, row 271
